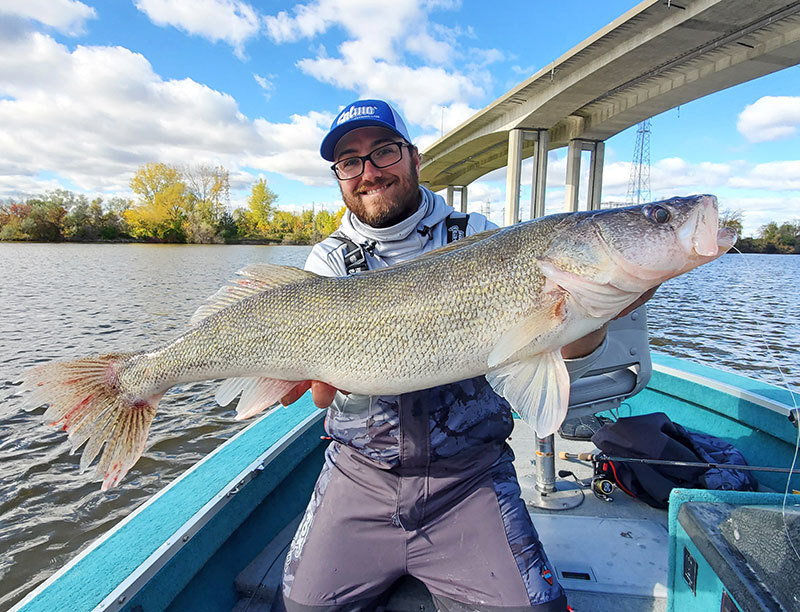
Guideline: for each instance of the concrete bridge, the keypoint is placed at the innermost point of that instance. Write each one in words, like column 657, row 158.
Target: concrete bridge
column 658, row 55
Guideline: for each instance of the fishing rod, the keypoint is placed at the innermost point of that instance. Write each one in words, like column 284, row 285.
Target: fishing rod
column 602, row 486
column 598, row 457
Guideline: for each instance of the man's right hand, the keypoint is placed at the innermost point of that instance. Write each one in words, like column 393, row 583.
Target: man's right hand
column 322, row 393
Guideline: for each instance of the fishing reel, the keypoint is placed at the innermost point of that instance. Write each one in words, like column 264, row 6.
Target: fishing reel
column 602, row 483
column 602, row 487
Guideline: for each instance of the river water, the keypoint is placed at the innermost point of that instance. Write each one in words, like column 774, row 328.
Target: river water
column 65, row 301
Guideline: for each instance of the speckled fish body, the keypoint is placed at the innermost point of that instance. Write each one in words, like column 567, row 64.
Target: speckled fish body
column 501, row 303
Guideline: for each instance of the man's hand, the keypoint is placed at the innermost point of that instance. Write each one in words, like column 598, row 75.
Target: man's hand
column 583, row 346
column 642, row 299
column 322, row 393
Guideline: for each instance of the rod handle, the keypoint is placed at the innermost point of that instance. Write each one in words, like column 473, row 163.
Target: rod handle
column 579, row 456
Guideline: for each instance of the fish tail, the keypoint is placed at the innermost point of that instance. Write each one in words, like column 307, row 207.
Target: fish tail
column 86, row 401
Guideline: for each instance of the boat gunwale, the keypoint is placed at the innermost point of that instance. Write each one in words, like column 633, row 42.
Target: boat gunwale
column 702, row 376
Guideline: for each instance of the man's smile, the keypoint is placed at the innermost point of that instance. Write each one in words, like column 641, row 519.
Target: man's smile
column 375, row 190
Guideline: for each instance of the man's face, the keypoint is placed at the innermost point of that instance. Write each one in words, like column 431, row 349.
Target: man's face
column 380, row 197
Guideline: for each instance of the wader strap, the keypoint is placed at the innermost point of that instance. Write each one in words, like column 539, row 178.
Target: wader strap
column 456, row 227
column 355, row 257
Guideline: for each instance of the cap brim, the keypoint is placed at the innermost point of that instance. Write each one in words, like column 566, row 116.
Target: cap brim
column 328, row 145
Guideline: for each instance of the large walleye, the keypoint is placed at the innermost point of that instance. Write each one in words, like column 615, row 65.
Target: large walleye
column 500, row 303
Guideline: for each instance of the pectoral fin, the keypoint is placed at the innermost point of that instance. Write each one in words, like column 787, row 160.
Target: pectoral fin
column 257, row 394
column 528, row 330
column 536, row 388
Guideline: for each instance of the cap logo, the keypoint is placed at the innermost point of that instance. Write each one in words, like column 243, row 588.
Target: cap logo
column 356, row 111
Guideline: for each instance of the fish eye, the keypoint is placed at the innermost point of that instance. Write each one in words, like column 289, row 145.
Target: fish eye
column 659, row 214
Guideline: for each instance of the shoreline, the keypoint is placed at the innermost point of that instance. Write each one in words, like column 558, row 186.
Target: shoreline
column 268, row 242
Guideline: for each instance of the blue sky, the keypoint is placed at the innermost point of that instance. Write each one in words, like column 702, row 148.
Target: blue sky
column 89, row 91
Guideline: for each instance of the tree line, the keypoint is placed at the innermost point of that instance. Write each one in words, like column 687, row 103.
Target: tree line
column 188, row 204
column 771, row 238
column 191, row 204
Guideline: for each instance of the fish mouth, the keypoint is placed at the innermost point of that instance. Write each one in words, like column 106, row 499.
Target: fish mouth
column 701, row 234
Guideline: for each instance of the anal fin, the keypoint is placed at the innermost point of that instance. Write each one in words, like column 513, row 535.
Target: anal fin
column 257, row 394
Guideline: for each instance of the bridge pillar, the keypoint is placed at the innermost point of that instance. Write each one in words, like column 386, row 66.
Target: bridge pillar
column 462, row 190
column 596, row 174
column 516, row 140
column 571, row 191
column 513, row 175
column 572, row 186
column 539, row 179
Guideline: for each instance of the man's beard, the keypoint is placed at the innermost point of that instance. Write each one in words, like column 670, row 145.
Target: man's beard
column 386, row 211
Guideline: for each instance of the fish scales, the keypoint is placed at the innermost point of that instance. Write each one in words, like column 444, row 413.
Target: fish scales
column 501, row 303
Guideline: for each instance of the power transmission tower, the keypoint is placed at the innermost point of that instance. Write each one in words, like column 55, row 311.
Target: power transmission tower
column 639, row 183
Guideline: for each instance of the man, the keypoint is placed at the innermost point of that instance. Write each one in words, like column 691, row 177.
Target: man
column 421, row 483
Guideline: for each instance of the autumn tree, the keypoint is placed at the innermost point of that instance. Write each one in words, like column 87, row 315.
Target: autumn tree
column 13, row 221
column 260, row 205
column 326, row 223
column 163, row 203
column 208, row 190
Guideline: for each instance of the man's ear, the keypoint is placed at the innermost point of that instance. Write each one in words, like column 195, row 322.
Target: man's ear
column 416, row 157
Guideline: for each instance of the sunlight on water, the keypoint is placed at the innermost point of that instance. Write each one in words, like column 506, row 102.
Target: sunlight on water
column 64, row 301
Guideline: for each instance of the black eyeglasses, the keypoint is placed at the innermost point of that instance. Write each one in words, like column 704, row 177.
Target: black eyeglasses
column 382, row 157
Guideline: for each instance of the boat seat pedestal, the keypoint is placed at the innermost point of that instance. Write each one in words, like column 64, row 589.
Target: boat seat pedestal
column 622, row 370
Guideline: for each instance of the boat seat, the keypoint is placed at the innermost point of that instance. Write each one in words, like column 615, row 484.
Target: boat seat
column 408, row 593
column 623, row 369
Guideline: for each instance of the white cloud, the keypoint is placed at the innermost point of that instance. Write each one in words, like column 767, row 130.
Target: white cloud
column 758, row 211
column 771, row 176
column 230, row 21
column 419, row 92
column 524, row 71
column 428, row 48
column 91, row 116
column 379, row 24
column 66, row 16
column 266, row 83
column 770, row 118
column 372, row 59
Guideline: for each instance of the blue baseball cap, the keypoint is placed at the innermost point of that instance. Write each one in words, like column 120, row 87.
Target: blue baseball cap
column 360, row 114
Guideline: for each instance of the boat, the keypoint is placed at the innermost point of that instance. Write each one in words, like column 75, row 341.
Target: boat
column 215, row 538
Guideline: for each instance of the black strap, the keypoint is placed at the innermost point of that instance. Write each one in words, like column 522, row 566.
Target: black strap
column 456, row 227
column 355, row 255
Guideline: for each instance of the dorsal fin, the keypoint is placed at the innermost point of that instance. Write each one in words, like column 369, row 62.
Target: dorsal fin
column 255, row 278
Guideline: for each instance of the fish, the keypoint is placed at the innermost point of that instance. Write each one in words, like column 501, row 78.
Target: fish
column 501, row 303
